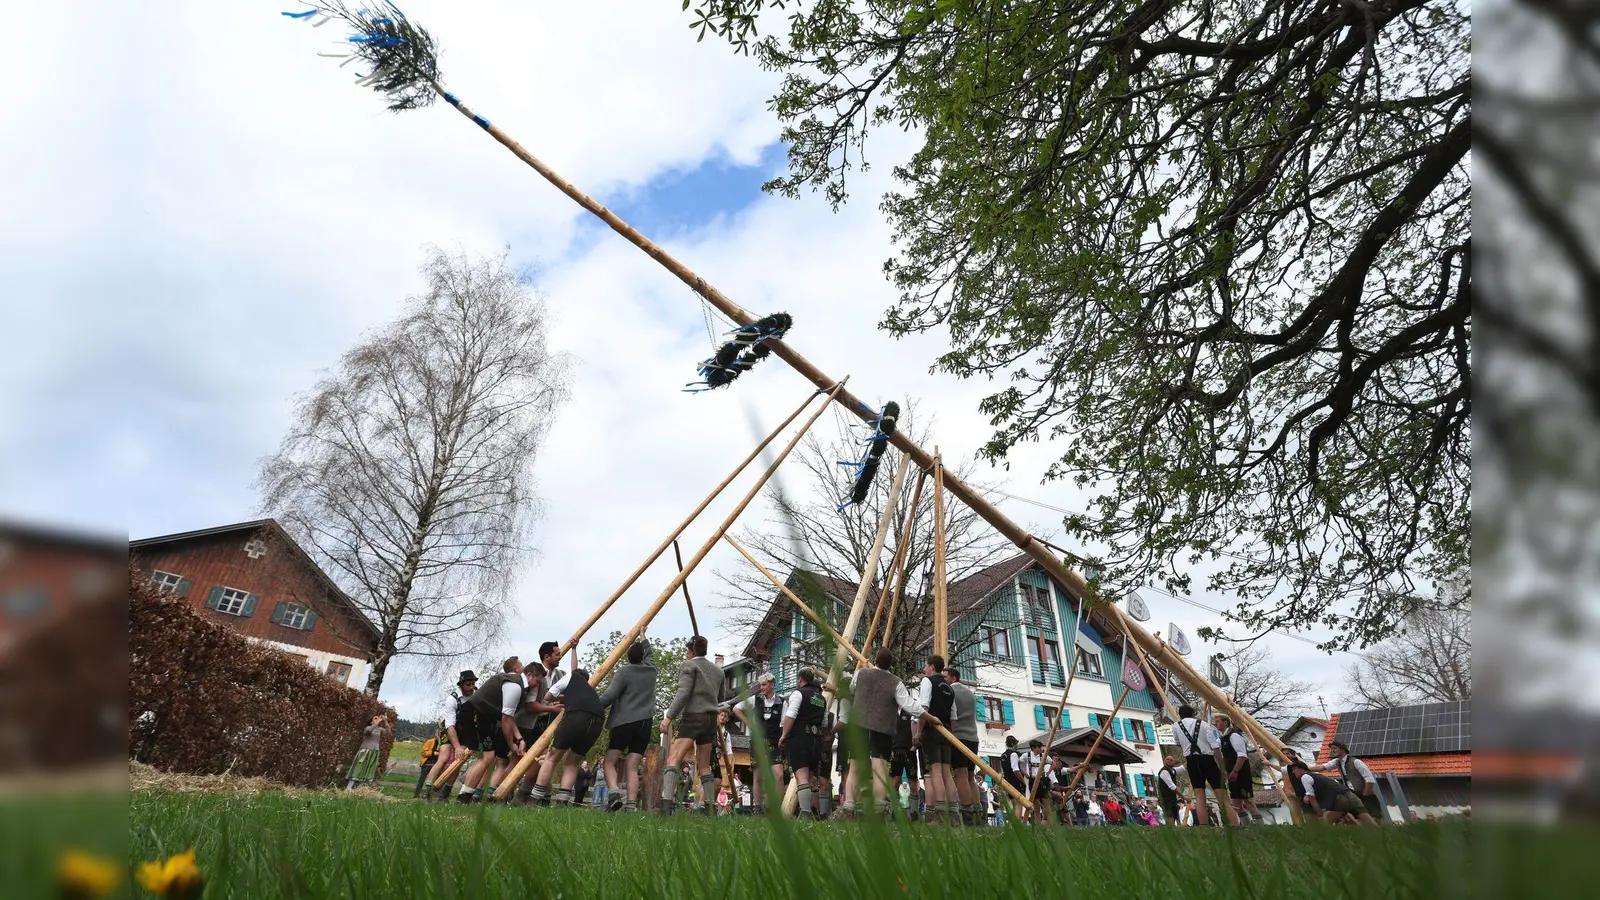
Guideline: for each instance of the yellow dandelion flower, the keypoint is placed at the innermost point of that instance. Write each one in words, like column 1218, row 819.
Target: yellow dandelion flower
column 179, row 877
column 79, row 875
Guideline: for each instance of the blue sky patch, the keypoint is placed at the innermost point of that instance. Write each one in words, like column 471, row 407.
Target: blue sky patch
column 683, row 200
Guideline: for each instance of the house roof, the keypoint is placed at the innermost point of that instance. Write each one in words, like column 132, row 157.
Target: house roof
column 1403, row 764
column 1301, row 723
column 1110, row 750
column 277, row 530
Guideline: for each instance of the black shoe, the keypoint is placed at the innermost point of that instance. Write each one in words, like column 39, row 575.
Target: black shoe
column 667, row 808
column 466, row 798
column 615, row 803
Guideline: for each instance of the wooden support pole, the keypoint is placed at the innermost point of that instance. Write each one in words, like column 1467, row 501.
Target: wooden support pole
column 965, row 493
column 1104, row 727
column 804, row 608
column 695, row 626
column 611, row 660
column 449, row 773
column 895, row 583
column 682, row 526
column 869, row 573
column 941, row 595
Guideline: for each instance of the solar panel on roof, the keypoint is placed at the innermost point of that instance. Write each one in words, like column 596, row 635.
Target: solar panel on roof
column 1424, row 728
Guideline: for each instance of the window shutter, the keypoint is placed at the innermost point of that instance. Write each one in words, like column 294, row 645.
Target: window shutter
column 1015, row 636
column 1038, row 718
column 982, row 707
column 1008, row 715
column 250, row 602
column 1138, row 785
column 1116, row 729
column 182, row 587
column 214, row 597
column 278, row 609
column 1066, row 718
column 311, row 620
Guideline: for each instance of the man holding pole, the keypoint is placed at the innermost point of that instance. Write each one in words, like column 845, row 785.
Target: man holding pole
column 965, row 728
column 1236, row 768
column 457, row 718
column 937, row 698
column 494, row 709
column 881, row 702
column 631, row 699
column 1201, row 747
column 699, row 687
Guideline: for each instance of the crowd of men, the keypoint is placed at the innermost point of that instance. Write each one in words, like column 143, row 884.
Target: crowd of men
column 807, row 735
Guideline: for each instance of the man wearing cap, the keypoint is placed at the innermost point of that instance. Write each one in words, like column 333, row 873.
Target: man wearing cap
column 1332, row 800
column 699, row 689
column 457, row 719
column 764, row 711
column 1360, row 778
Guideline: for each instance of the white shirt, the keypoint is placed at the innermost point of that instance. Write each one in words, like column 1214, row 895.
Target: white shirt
column 1016, row 761
column 450, row 704
column 1238, row 742
column 560, row 686
column 1360, row 767
column 1210, row 740
column 758, row 703
column 1168, row 779
column 791, row 706
column 1309, row 785
column 511, row 695
column 925, row 692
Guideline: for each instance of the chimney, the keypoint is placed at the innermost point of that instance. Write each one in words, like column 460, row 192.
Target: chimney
column 719, row 659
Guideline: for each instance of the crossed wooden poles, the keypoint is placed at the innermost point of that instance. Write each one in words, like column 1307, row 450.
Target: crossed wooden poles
column 1151, row 646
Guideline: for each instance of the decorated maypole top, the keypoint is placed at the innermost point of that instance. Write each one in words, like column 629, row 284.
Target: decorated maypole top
column 400, row 58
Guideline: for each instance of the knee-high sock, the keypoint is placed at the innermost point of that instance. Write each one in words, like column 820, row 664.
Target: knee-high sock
column 707, row 781
column 669, row 783
column 803, row 794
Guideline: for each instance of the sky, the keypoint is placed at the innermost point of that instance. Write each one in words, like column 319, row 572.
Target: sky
column 198, row 225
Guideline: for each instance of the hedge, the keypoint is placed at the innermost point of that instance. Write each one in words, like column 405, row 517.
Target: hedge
column 206, row 701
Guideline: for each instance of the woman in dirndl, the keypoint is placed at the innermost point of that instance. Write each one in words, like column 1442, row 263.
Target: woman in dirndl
column 364, row 768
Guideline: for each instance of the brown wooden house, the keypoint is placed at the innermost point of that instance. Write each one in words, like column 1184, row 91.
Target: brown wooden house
column 255, row 579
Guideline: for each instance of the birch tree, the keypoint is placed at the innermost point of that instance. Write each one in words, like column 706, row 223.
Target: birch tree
column 408, row 472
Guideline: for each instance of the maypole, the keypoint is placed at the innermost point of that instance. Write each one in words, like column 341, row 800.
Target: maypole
column 403, row 63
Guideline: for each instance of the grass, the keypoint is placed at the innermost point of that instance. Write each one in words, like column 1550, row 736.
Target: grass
column 276, row 845
column 408, row 750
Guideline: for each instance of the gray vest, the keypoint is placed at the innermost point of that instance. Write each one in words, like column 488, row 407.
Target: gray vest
column 964, row 723
column 1352, row 775
column 486, row 699
column 875, row 707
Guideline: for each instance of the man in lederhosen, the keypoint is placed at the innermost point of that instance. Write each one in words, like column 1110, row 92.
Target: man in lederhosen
column 880, row 702
column 801, row 734
column 583, row 719
column 938, row 699
column 904, row 766
column 456, row 721
column 699, row 689
column 631, row 699
column 1359, row 777
column 1201, row 746
column 964, row 725
column 536, row 714
column 1332, row 800
column 1167, row 789
column 494, row 707
column 763, row 711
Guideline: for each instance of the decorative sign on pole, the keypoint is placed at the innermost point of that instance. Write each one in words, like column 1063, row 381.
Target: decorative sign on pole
column 1219, row 675
column 1132, row 675
column 1136, row 607
column 1177, row 640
